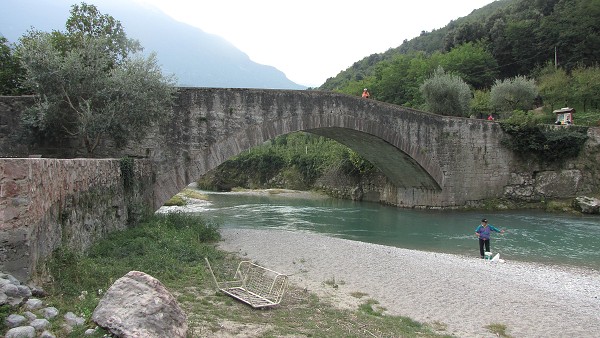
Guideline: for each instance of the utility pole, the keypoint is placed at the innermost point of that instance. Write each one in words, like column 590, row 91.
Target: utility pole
column 555, row 59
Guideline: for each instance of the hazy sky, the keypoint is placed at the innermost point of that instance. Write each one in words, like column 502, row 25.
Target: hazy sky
column 312, row 40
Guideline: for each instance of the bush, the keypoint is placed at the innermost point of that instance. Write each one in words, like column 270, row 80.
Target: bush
column 547, row 143
column 516, row 93
column 446, row 94
column 163, row 247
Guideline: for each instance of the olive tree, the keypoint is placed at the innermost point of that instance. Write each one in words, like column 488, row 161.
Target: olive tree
column 92, row 82
column 446, row 94
column 517, row 93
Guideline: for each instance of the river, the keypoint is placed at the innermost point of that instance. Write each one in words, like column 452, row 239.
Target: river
column 530, row 235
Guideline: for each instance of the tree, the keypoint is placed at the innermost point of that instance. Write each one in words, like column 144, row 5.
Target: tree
column 586, row 83
column 90, row 83
column 397, row 81
column 11, row 72
column 573, row 30
column 466, row 32
column 523, row 38
column 555, row 86
column 476, row 65
column 517, row 93
column 446, row 94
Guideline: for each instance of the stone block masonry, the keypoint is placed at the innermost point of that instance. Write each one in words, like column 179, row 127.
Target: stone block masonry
column 50, row 203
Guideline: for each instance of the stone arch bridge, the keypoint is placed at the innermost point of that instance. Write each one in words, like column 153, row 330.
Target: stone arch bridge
column 429, row 160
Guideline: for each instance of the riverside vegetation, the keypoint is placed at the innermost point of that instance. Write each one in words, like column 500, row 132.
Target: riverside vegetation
column 171, row 247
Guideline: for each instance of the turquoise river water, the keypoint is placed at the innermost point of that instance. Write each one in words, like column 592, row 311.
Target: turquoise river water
column 534, row 236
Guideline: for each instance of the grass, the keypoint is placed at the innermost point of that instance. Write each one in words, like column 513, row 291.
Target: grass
column 498, row 329
column 171, row 248
column 371, row 307
column 176, row 200
column 193, row 193
column 180, row 198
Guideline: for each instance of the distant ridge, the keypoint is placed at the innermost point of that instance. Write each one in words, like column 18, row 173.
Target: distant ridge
column 197, row 59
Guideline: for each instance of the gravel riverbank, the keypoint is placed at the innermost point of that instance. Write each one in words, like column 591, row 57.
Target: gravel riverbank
column 464, row 294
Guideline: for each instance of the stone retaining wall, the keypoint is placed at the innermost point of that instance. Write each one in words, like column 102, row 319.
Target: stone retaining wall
column 49, row 203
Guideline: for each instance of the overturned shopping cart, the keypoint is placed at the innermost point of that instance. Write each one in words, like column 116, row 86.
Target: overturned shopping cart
column 253, row 284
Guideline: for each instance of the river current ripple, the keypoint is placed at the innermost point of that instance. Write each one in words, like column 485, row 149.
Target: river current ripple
column 531, row 236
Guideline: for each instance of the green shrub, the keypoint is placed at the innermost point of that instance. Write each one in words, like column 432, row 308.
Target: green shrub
column 514, row 93
column 164, row 247
column 446, row 94
column 301, row 157
column 127, row 174
column 589, row 118
column 547, row 143
column 5, row 311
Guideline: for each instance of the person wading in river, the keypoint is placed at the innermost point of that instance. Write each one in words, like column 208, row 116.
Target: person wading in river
column 483, row 232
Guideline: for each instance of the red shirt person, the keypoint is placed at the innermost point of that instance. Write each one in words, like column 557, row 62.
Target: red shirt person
column 366, row 94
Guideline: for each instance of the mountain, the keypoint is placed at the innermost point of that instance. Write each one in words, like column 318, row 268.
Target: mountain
column 197, row 59
column 521, row 35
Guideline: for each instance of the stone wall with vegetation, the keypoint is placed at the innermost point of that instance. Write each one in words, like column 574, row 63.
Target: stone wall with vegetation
column 49, row 203
column 531, row 181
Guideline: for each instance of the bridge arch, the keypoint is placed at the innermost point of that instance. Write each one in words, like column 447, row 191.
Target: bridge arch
column 212, row 125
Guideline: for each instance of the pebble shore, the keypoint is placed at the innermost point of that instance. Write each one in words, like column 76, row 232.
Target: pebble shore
column 461, row 294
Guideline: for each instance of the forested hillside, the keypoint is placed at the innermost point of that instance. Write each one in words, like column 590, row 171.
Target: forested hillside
column 499, row 60
column 505, row 39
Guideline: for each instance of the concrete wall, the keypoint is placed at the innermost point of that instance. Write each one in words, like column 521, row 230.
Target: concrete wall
column 49, row 203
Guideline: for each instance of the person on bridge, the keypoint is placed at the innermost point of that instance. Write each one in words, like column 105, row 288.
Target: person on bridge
column 366, row 94
column 483, row 232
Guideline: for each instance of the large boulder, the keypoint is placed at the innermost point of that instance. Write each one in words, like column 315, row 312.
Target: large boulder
column 587, row 205
column 558, row 184
column 138, row 305
column 12, row 292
